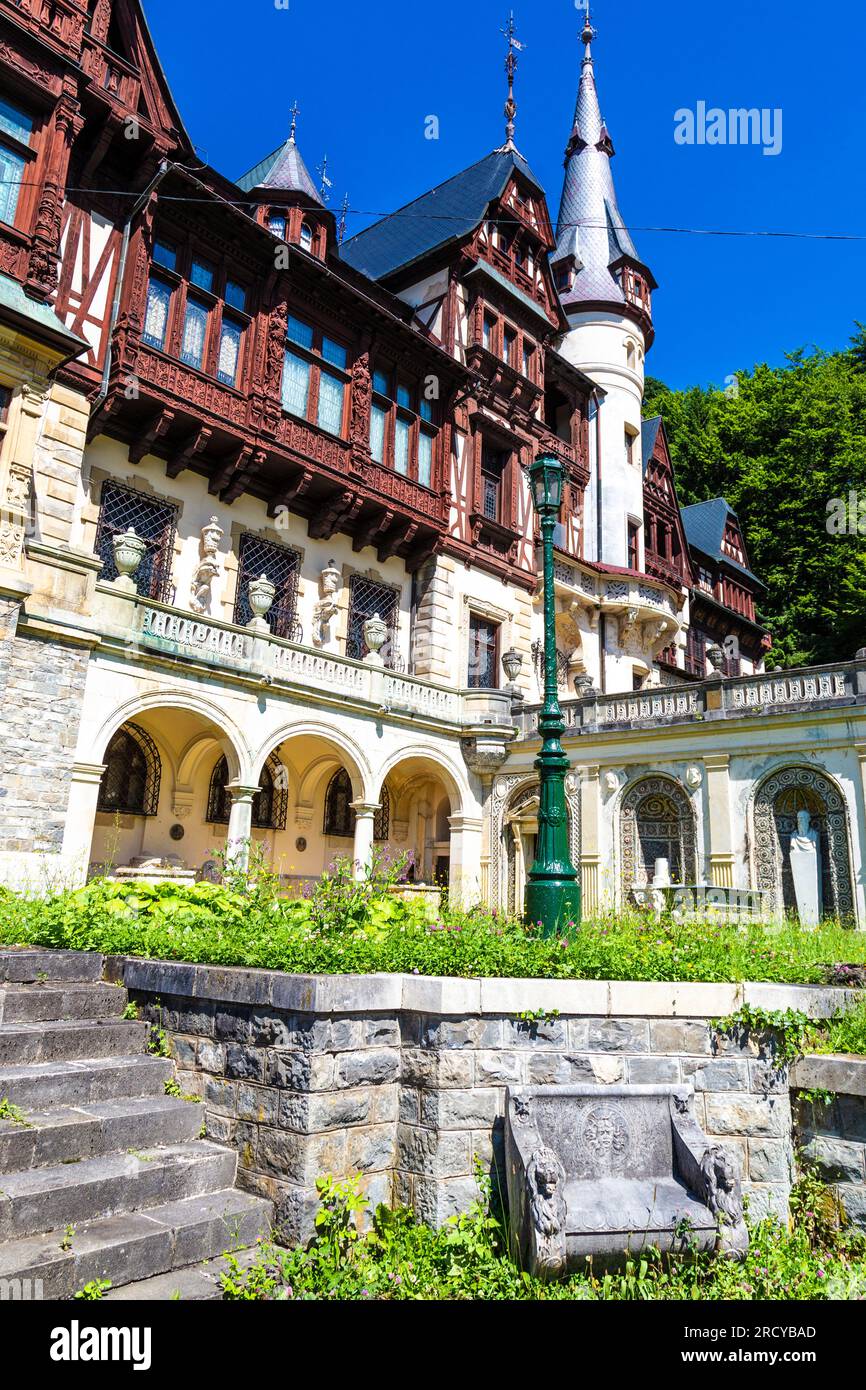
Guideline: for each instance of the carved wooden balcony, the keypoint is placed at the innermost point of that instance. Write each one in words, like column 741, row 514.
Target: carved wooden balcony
column 502, row 380
column 58, row 22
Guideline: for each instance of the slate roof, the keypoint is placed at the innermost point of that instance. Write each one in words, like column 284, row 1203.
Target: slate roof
column 447, row 213
column 284, row 171
column 38, row 318
column 649, row 433
column 590, row 226
column 704, row 524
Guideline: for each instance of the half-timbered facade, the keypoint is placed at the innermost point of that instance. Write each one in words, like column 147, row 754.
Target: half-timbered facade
column 268, row 562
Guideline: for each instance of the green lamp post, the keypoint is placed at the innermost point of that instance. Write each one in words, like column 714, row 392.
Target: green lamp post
column 552, row 892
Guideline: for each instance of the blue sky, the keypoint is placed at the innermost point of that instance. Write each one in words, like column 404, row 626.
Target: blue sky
column 367, row 76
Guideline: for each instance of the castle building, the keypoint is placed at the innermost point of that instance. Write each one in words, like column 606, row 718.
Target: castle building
column 268, row 560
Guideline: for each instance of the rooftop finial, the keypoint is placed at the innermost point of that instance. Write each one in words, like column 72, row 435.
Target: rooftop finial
column 514, row 47
column 295, row 113
column 588, row 34
column 326, row 183
column 344, row 217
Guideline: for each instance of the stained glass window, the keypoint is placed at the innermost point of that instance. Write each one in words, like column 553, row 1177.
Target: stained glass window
column 401, row 446
column 194, row 334
column 377, row 433
column 296, row 384
column 331, row 393
column 156, row 316
column 230, row 348
column 12, row 168
column 425, row 458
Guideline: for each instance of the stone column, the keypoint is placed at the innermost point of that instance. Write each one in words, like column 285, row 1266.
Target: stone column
column 720, row 825
column 465, row 867
column 365, row 825
column 240, row 824
column 590, row 848
column 81, row 819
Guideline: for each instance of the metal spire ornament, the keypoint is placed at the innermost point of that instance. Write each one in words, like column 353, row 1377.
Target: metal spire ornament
column 322, row 171
column 514, row 47
column 294, row 113
column 344, row 214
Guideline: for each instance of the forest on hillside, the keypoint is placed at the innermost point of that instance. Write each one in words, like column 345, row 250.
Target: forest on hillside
column 787, row 447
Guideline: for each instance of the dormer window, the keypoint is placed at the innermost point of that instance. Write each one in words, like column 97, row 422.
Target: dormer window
column 306, row 236
column 563, row 277
column 277, row 223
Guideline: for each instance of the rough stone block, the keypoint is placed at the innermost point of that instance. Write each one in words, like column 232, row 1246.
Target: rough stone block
column 549, row 1033
column 436, row 1200
column 461, row 1109
column 370, row 1149
column 258, row 1104
column 688, row 1038
column 384, row 1104
column 618, row 1035
column 371, row 1068
column 837, row 1160
column 211, row 1057
column 300, row 1071
column 569, row 1069
column 434, row 1068
column 410, row 1106
column 301, row 1158
column 767, row 1199
column 381, row 1032
column 770, row 1160
column 461, row 1033
column 498, row 1068
column 220, row 1095
column 245, row 1063
column 653, row 1071
column 721, row 1074
column 433, row 1154
column 755, row 1116
column 853, row 1198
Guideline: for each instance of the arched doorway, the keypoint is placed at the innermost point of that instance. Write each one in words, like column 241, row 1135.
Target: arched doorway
column 656, row 822
column 514, row 831
column 777, row 802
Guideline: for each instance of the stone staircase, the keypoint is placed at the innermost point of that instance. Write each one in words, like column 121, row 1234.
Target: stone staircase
column 103, row 1175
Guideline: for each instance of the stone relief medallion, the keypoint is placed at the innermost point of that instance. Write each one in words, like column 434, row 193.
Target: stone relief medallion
column 604, row 1137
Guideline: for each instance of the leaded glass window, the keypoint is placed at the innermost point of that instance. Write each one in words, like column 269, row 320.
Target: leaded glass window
column 15, row 122
column 339, row 816
column 378, row 421
column 296, row 385
column 153, row 521
column 230, row 349
column 402, row 430
column 12, row 166
column 367, row 599
column 282, row 566
column 131, row 780
column 159, row 294
column 194, row 334
column 331, row 397
column 483, row 647
column 425, row 459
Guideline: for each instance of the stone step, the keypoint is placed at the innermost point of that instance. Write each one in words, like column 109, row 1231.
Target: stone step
column 71, row 1040
column 49, row 1002
column 198, row 1283
column 137, row 1250
column 45, row 1084
column 47, row 1199
column 35, row 966
column 65, row 1133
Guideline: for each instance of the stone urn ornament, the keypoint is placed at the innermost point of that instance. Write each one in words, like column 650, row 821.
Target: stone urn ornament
column 261, row 596
column 129, row 551
column 376, row 634
column 716, row 658
column 512, row 664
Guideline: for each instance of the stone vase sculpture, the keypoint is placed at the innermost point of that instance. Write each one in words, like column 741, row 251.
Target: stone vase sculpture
column 129, row 551
column 376, row 634
column 261, row 596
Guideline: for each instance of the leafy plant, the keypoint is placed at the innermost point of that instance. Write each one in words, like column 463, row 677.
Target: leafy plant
column 130, row 1013
column 13, row 1114
column 782, row 1034
column 95, row 1290
column 66, row 1240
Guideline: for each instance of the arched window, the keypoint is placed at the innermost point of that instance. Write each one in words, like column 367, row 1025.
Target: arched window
column 339, row 816
column 306, row 236
column 656, row 822
column 269, row 804
column 382, row 822
column 130, row 782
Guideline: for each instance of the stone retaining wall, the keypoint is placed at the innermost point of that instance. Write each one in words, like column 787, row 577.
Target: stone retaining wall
column 832, row 1134
column 403, row 1079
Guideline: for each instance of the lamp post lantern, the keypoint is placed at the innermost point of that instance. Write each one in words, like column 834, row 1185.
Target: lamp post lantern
column 552, row 891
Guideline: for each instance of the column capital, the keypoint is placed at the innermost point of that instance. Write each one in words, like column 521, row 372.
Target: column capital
column 90, row 772
column 239, row 791
column 716, row 762
column 366, row 810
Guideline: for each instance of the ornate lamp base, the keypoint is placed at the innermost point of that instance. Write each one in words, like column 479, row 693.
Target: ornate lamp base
column 555, row 903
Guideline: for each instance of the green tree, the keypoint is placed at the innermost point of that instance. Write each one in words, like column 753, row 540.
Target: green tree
column 787, row 447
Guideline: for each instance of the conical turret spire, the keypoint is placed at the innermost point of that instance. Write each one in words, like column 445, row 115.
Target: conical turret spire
column 593, row 242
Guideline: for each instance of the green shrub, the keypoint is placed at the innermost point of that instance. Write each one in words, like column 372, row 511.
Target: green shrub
column 398, row 1259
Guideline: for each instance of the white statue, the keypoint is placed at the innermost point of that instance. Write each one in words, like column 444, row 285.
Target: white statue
column 331, row 584
column 806, row 870
column 208, row 567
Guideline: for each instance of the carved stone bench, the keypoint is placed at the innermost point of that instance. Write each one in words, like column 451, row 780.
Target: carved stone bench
column 601, row 1170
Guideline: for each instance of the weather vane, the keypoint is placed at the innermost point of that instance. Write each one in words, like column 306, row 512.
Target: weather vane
column 294, row 113
column 514, row 47
column 344, row 214
column 326, row 183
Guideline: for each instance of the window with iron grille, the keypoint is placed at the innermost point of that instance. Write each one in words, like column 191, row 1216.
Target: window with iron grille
column 153, row 521
column 130, row 782
column 562, row 667
column 368, row 599
column 696, row 652
column 282, row 567
column 382, row 819
column 493, row 465
column 339, row 816
column 483, row 650
column 270, row 802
